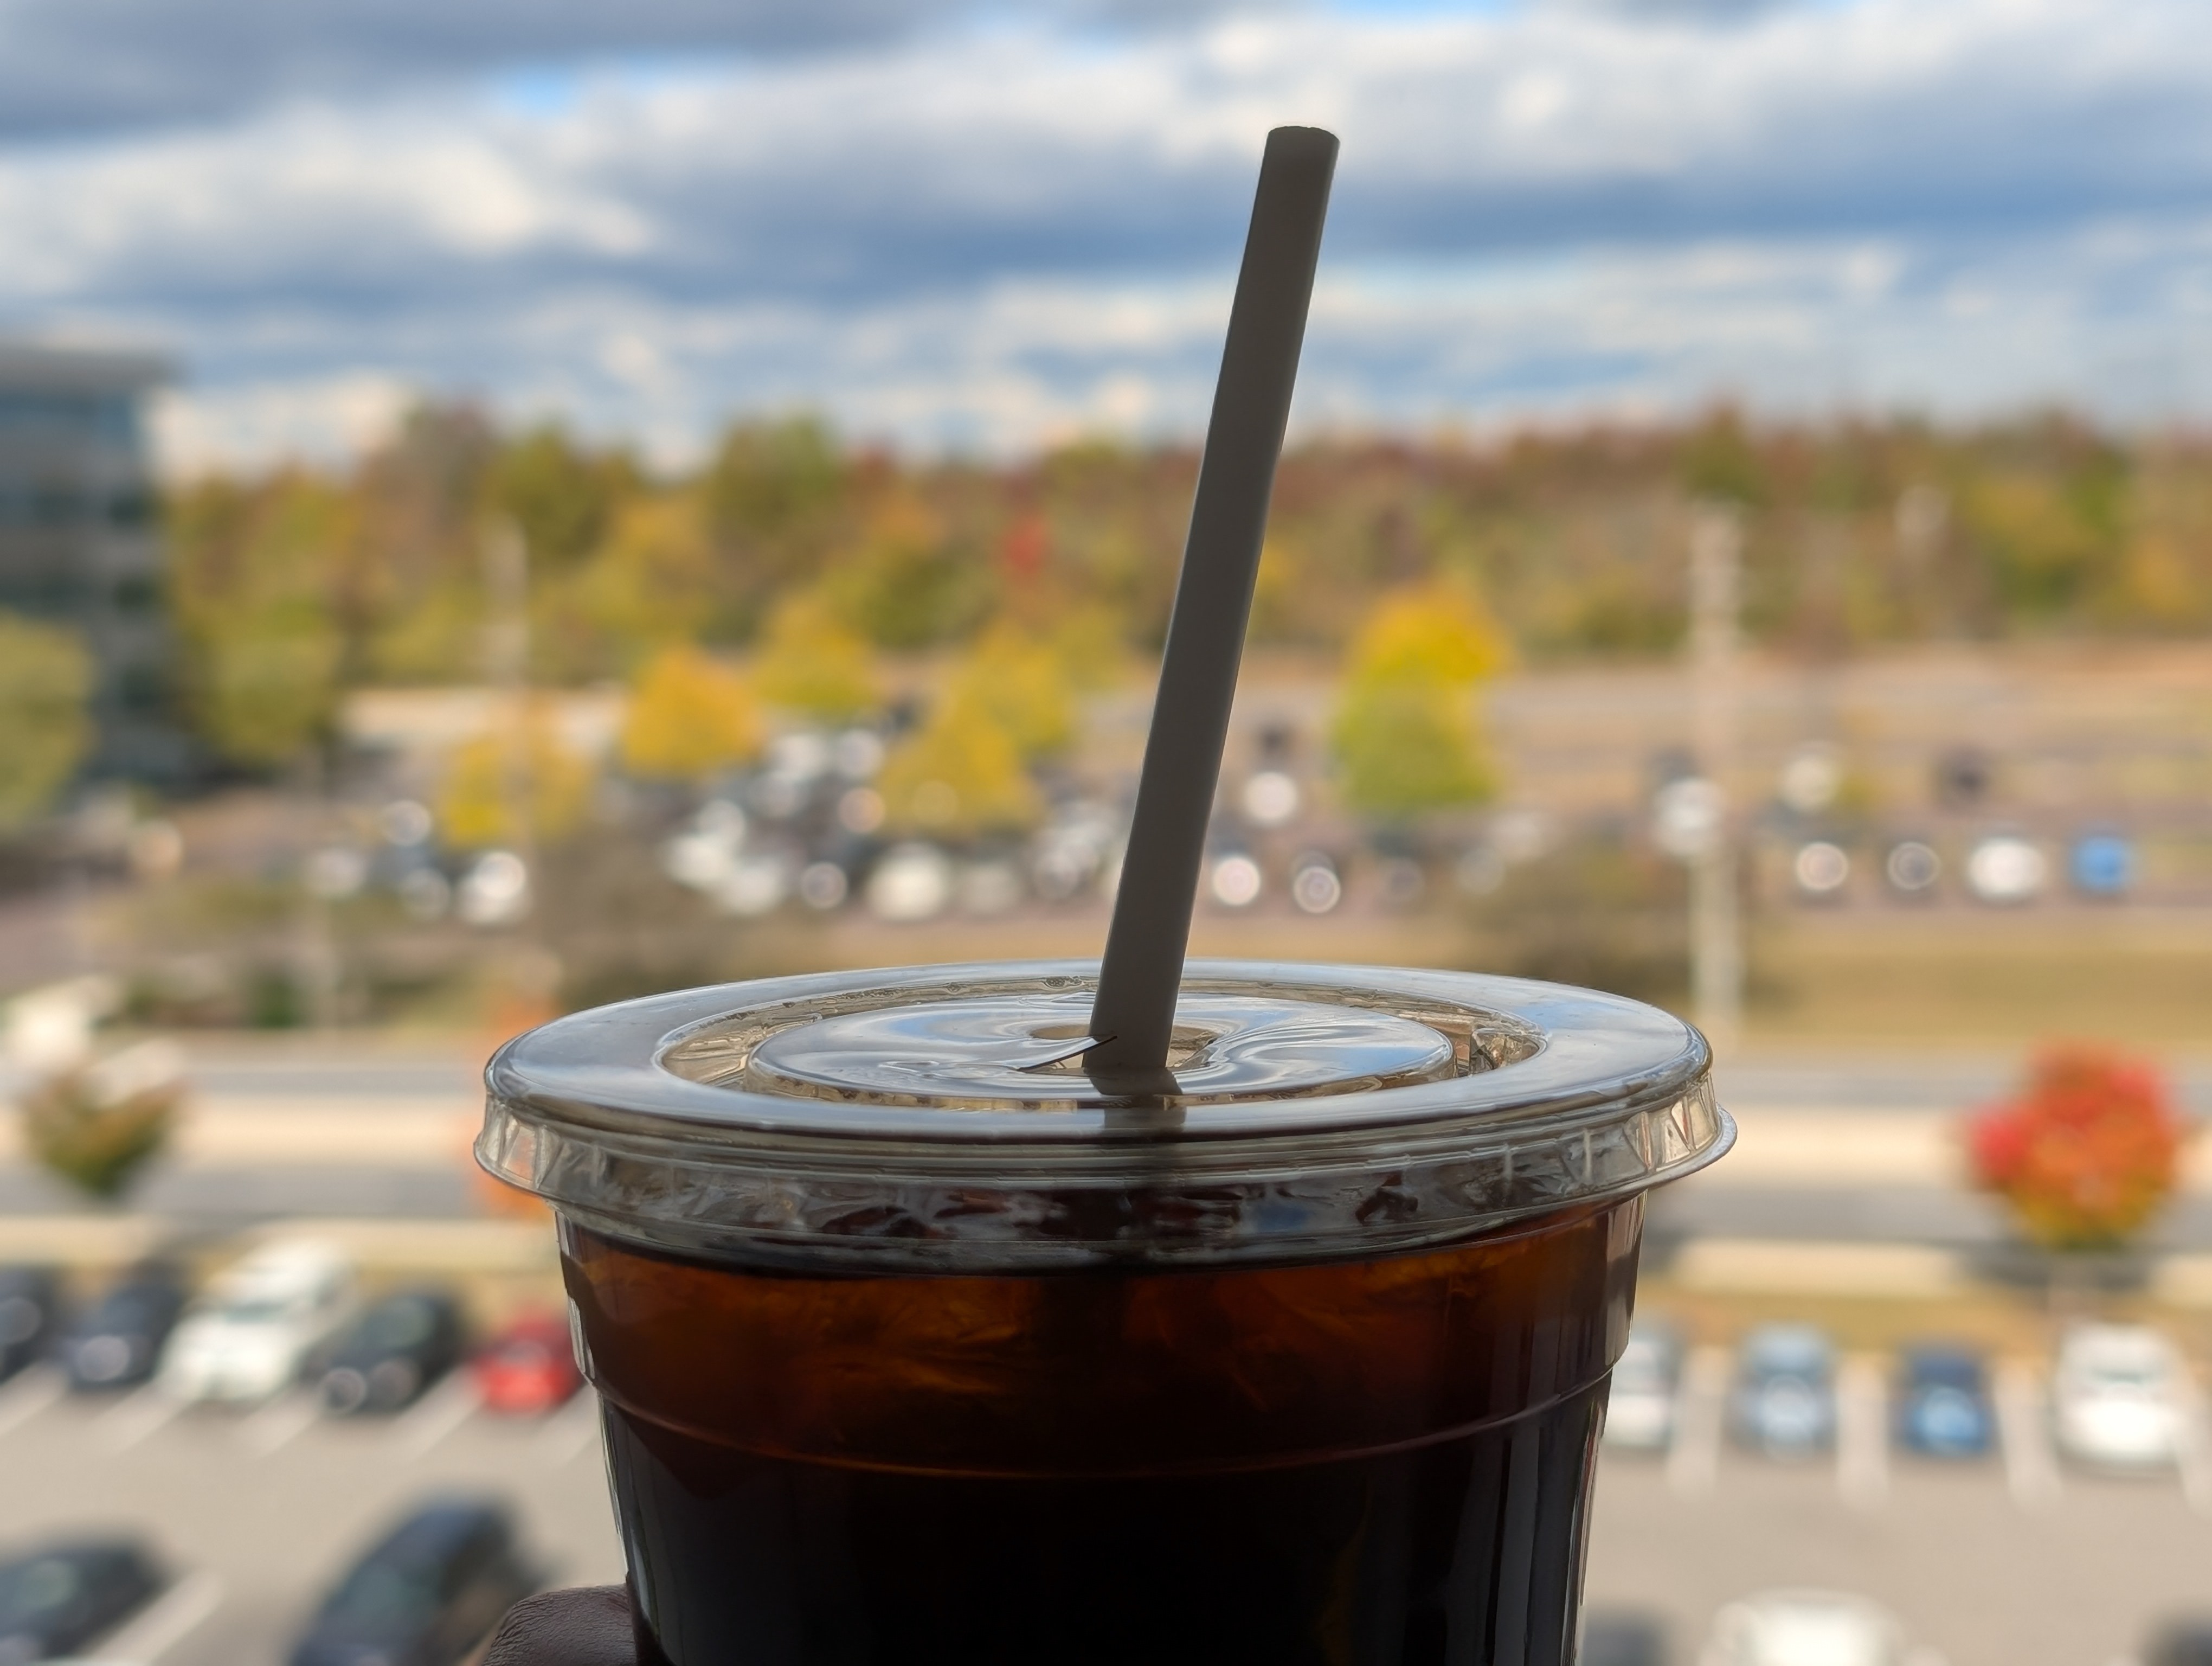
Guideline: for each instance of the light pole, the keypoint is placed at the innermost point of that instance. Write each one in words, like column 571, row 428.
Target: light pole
column 507, row 660
column 1715, row 932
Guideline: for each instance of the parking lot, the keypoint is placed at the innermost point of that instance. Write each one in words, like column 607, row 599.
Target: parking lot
column 257, row 1512
column 2013, row 1559
column 2010, row 1560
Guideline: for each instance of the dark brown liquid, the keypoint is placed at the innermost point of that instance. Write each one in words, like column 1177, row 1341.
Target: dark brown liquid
column 1376, row 1462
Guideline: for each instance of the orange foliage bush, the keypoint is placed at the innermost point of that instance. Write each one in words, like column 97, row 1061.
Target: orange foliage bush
column 2087, row 1154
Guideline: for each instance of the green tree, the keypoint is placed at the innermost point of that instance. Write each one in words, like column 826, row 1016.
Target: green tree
column 45, row 679
column 689, row 717
column 772, row 480
column 907, row 584
column 94, row 1136
column 563, row 497
column 267, row 686
column 1405, row 732
column 1720, row 461
column 777, row 499
column 254, row 591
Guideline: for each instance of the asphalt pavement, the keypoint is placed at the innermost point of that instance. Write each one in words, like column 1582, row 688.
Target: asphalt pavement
column 1836, row 1147
column 257, row 1512
column 2012, row 1560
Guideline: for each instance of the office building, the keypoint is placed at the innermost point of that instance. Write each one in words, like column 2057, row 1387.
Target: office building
column 79, row 542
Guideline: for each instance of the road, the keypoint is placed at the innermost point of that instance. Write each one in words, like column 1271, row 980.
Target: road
column 2005, row 1561
column 1850, row 1149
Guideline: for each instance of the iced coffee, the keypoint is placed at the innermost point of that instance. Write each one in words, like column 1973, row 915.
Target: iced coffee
column 915, row 1344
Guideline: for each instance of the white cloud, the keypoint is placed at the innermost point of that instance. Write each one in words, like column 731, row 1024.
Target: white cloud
column 983, row 239
column 325, row 420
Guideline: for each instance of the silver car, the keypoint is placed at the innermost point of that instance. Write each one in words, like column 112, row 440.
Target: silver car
column 2120, row 1397
column 1640, row 1413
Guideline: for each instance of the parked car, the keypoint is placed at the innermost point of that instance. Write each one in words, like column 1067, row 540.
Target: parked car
column 2117, row 1396
column 529, row 1367
column 1612, row 1638
column 1784, row 1399
column 1802, row 1627
column 1640, row 1413
column 29, row 1301
column 249, row 1336
column 393, row 1352
column 57, row 1600
column 117, row 1341
column 425, row 1594
column 1943, row 1406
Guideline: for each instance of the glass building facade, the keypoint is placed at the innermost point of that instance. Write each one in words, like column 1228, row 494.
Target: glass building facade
column 80, row 543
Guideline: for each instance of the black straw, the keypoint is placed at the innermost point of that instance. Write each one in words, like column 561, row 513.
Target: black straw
column 1133, row 1015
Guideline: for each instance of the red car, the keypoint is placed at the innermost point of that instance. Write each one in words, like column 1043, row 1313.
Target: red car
column 529, row 1367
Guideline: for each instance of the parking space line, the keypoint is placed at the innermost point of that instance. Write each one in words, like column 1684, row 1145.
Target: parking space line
column 2193, row 1452
column 1693, row 1461
column 437, row 1415
column 2024, row 1436
column 277, row 1424
column 175, row 1614
column 1861, row 1432
column 137, row 1415
column 571, row 1429
column 35, row 1388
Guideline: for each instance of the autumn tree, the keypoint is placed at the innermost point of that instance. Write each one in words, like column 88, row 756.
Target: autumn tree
column 99, row 1126
column 1022, row 682
column 1405, row 732
column 513, row 784
column 811, row 663
column 908, row 583
column 776, row 499
column 689, row 718
column 2087, row 1154
column 652, row 581
column 959, row 775
column 45, row 680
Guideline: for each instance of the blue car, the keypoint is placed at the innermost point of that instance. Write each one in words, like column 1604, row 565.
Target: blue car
column 1943, row 1403
column 1784, row 1399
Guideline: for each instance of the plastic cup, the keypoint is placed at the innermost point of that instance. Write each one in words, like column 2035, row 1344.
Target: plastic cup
column 913, row 1345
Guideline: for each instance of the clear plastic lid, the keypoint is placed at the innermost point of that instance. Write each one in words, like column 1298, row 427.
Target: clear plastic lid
column 939, row 1118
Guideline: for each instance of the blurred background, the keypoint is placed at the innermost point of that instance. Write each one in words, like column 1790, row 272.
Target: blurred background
column 503, row 508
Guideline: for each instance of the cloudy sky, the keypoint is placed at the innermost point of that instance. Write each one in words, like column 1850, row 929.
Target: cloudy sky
column 984, row 227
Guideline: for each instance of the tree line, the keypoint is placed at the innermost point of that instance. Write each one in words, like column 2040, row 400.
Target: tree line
column 290, row 587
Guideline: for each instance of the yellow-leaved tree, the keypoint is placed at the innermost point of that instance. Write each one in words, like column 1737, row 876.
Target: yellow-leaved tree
column 960, row 773
column 813, row 664
column 1023, row 681
column 493, row 782
column 1406, row 733
column 690, row 717
column 650, row 581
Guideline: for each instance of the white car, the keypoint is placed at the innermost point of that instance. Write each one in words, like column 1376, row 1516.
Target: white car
column 246, row 1338
column 1809, row 1628
column 2119, row 1397
column 1640, row 1412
